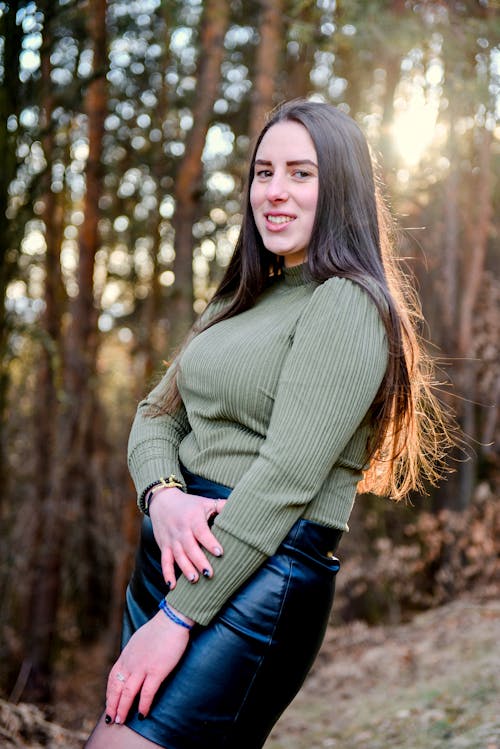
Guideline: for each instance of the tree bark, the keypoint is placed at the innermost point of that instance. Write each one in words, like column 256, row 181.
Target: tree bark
column 478, row 237
column 266, row 63
column 152, row 332
column 298, row 82
column 85, row 418
column 458, row 310
column 49, row 374
column 50, row 358
column 473, row 274
column 450, row 261
column 188, row 182
column 70, row 474
column 10, row 104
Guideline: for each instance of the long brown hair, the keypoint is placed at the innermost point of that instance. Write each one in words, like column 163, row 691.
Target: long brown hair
column 351, row 238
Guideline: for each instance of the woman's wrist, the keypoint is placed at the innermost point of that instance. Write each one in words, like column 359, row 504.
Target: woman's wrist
column 163, row 492
column 144, row 499
column 176, row 616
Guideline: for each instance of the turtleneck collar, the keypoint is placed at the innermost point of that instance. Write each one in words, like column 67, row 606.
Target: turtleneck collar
column 295, row 275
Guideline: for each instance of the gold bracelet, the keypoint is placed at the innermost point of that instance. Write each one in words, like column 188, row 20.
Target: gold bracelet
column 148, row 494
column 172, row 483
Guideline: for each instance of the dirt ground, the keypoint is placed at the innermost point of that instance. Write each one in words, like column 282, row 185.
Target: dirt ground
column 433, row 683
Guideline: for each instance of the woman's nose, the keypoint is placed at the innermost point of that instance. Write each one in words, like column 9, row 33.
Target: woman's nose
column 276, row 189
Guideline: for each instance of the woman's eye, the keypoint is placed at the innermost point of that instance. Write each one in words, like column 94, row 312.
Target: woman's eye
column 301, row 174
column 263, row 173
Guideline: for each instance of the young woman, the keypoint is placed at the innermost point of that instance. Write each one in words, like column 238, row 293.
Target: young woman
column 303, row 378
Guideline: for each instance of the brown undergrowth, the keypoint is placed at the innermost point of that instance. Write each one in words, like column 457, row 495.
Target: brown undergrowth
column 432, row 559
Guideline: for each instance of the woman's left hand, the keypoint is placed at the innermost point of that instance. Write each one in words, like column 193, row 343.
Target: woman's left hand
column 150, row 655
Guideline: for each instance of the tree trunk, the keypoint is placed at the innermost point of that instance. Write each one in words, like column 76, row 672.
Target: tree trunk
column 458, row 310
column 473, row 273
column 10, row 104
column 298, row 81
column 188, row 182
column 266, row 63
column 152, row 338
column 451, row 243
column 87, row 434
column 70, row 474
column 49, row 373
column 478, row 237
column 50, row 364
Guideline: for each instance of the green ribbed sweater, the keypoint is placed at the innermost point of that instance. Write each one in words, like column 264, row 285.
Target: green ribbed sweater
column 275, row 404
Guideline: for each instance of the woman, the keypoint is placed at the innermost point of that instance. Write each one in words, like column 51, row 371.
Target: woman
column 303, row 374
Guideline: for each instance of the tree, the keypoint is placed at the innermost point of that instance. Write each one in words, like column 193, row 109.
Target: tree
column 11, row 93
column 70, row 477
column 267, row 63
column 188, row 181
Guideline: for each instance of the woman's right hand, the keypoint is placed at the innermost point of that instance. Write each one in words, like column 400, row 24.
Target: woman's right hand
column 181, row 530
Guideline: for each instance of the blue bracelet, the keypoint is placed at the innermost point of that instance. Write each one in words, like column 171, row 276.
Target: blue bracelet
column 163, row 605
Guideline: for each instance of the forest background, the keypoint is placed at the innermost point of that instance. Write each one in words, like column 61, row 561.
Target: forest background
column 125, row 129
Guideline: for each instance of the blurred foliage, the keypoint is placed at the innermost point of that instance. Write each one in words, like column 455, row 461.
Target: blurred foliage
column 419, row 561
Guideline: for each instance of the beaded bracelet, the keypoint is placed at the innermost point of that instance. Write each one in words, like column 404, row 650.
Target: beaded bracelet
column 147, row 495
column 163, row 605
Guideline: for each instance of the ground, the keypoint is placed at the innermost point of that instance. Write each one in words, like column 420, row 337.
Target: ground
column 433, row 683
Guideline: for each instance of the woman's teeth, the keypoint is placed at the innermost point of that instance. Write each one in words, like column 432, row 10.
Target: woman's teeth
column 279, row 219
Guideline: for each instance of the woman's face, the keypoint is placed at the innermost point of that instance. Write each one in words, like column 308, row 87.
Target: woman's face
column 284, row 191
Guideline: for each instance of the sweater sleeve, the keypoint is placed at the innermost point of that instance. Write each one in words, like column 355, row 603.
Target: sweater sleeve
column 153, row 444
column 330, row 377
column 154, row 441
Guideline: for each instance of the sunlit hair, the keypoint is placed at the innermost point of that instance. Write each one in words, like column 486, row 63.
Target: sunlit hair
column 351, row 238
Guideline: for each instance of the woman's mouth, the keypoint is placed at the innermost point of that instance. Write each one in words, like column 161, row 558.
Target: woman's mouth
column 278, row 220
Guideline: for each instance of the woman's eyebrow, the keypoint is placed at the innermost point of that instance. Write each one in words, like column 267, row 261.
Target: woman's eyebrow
column 295, row 162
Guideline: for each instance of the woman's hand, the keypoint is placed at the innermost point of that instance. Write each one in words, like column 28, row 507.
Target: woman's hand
column 180, row 527
column 150, row 655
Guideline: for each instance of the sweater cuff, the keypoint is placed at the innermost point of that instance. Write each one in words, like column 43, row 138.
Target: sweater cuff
column 151, row 461
column 201, row 601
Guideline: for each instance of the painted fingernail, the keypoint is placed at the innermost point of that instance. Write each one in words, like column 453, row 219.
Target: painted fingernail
column 141, row 716
column 206, row 573
column 168, row 584
column 193, row 578
column 108, row 719
column 118, row 719
column 218, row 551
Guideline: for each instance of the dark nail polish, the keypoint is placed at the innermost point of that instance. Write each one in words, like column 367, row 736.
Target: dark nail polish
column 141, row 716
column 108, row 719
column 168, row 584
column 206, row 573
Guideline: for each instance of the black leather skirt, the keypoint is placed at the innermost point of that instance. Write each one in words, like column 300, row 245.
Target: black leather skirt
column 241, row 671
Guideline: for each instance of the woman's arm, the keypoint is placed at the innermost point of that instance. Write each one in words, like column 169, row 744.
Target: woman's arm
column 154, row 441
column 151, row 654
column 180, row 520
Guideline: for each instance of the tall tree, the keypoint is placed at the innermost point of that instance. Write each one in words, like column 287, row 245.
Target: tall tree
column 267, row 63
column 10, row 106
column 477, row 237
column 70, row 474
column 214, row 24
column 83, row 417
column 50, row 361
column 462, row 250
